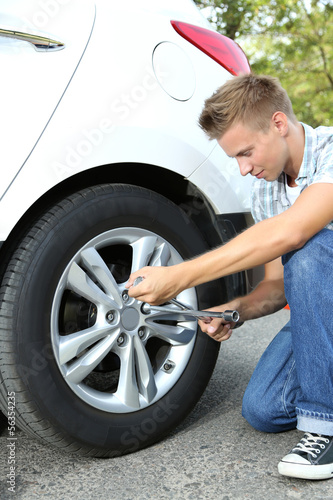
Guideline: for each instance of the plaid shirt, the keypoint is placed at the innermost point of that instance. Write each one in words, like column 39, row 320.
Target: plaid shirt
column 270, row 198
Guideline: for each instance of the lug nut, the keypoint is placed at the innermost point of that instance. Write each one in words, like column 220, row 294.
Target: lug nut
column 141, row 332
column 120, row 340
column 125, row 296
column 110, row 316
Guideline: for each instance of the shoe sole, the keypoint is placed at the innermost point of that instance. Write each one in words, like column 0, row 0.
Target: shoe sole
column 302, row 471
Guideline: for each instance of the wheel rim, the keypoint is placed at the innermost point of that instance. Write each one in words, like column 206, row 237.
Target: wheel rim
column 112, row 355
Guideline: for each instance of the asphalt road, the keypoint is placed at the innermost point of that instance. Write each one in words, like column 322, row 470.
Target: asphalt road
column 213, row 455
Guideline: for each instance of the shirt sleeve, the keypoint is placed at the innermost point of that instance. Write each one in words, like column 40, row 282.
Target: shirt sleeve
column 324, row 170
column 257, row 211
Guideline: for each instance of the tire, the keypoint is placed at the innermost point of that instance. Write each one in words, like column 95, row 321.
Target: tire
column 91, row 372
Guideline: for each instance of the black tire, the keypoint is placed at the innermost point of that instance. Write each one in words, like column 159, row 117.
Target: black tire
column 42, row 308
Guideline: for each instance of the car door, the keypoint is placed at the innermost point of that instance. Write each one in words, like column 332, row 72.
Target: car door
column 38, row 57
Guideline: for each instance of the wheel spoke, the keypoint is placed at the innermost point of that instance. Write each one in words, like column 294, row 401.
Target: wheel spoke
column 161, row 255
column 128, row 392
column 78, row 281
column 94, row 263
column 72, row 345
column 84, row 365
column 143, row 249
column 174, row 335
column 145, row 374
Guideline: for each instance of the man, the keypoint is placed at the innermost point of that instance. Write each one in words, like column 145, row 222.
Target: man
column 292, row 204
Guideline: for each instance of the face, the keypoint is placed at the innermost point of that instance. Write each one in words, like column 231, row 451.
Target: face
column 263, row 155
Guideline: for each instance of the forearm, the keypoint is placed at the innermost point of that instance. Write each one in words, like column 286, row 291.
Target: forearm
column 267, row 298
column 258, row 245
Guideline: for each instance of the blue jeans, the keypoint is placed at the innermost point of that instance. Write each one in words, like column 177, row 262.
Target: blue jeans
column 292, row 385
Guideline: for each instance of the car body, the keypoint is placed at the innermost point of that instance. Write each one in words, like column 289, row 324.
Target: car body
column 105, row 169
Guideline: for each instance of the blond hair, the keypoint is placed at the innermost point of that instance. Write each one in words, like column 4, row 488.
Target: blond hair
column 248, row 99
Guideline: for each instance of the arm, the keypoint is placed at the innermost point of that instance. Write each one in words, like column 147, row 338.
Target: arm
column 260, row 244
column 267, row 298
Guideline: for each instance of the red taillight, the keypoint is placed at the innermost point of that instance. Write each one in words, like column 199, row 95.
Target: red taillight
column 220, row 48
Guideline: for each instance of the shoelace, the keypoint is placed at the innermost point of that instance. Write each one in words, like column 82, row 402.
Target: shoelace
column 308, row 442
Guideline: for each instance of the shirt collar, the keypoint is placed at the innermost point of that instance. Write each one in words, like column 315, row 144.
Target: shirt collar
column 309, row 146
column 279, row 190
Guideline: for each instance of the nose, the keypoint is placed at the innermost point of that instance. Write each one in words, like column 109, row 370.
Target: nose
column 245, row 166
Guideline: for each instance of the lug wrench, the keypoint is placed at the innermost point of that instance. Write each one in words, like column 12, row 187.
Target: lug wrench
column 186, row 311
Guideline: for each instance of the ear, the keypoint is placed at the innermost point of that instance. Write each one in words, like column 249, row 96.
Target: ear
column 280, row 123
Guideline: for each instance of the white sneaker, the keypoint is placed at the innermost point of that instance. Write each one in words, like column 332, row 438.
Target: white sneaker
column 312, row 458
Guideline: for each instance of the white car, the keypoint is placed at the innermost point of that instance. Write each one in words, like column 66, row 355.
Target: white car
column 104, row 169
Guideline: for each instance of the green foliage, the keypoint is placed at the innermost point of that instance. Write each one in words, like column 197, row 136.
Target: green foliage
column 290, row 39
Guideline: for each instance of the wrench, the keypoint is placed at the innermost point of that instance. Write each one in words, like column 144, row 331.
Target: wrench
column 185, row 311
column 232, row 316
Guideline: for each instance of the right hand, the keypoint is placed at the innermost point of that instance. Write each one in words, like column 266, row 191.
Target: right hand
column 159, row 284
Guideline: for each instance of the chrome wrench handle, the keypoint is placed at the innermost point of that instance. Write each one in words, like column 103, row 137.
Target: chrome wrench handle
column 231, row 316
column 227, row 315
column 184, row 310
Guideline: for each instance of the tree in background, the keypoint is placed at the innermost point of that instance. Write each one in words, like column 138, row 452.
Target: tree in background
column 290, row 39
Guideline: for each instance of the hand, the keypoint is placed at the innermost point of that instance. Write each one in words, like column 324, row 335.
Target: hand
column 159, row 285
column 217, row 328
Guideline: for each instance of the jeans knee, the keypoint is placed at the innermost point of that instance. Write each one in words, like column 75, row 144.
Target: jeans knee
column 305, row 262
column 255, row 414
column 261, row 416
column 299, row 264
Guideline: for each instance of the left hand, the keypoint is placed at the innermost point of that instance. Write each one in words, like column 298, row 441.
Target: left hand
column 217, row 328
